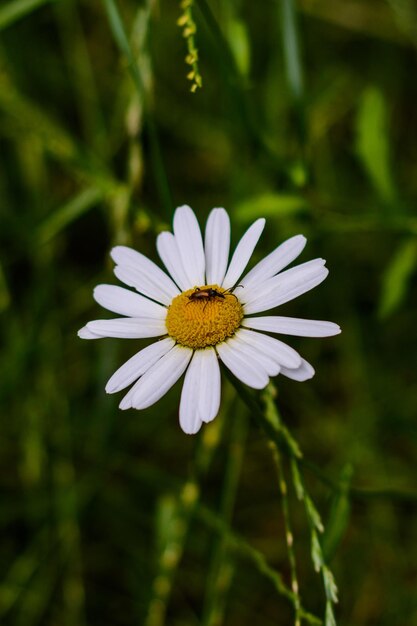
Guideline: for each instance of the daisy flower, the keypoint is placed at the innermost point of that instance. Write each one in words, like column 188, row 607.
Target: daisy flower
column 203, row 311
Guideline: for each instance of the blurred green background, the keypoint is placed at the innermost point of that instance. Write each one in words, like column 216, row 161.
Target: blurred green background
column 307, row 116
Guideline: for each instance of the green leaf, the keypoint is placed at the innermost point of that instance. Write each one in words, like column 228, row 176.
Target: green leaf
column 329, row 619
column 396, row 278
column 291, row 44
column 239, row 44
column 297, row 480
column 313, row 514
column 272, row 415
column 121, row 39
column 339, row 516
column 13, row 11
column 270, row 205
column 372, row 142
column 316, row 552
column 66, row 214
column 329, row 584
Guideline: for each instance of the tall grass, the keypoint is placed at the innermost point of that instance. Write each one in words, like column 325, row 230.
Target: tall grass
column 305, row 116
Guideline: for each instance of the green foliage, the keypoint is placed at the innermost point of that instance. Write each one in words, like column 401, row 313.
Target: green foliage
column 339, row 515
column 305, row 116
column 272, row 205
column 397, row 278
column 16, row 9
column 373, row 142
column 238, row 39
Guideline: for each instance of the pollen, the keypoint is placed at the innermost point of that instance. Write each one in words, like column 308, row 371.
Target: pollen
column 203, row 316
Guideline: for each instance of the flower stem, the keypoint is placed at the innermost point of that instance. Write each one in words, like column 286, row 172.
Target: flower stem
column 281, row 439
column 242, row 548
column 288, row 531
column 222, row 565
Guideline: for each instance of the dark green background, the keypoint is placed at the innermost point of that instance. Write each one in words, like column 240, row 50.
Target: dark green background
column 313, row 128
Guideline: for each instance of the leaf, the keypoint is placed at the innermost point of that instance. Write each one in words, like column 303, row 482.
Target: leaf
column 396, row 278
column 316, row 553
column 238, row 40
column 64, row 215
column 270, row 205
column 329, row 584
column 314, row 515
column 17, row 9
column 272, row 415
column 329, row 619
column 296, row 478
column 372, row 142
column 339, row 516
column 291, row 45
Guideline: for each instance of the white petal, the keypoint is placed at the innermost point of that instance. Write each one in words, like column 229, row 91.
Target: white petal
column 302, row 373
column 158, row 379
column 210, row 386
column 271, row 286
column 138, row 365
column 273, row 348
column 275, row 261
column 236, row 361
column 136, row 270
column 190, row 420
column 127, row 302
column 243, row 253
column 190, row 245
column 292, row 326
column 145, row 283
column 200, row 397
column 284, row 287
column 167, row 247
column 84, row 333
column 128, row 327
column 216, row 245
column 257, row 356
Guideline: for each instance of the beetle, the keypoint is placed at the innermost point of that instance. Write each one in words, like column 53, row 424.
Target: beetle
column 205, row 294
column 209, row 294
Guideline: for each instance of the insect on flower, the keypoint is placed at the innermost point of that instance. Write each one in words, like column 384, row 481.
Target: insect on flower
column 205, row 294
column 216, row 328
column 209, row 293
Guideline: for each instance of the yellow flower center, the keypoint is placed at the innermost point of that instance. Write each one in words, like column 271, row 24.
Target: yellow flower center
column 203, row 316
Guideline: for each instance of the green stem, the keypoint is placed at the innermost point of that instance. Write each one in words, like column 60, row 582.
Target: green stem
column 293, row 66
column 279, row 434
column 222, row 565
column 357, row 493
column 119, row 34
column 241, row 547
column 288, row 531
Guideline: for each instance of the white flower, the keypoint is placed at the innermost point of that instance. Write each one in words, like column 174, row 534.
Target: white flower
column 204, row 311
